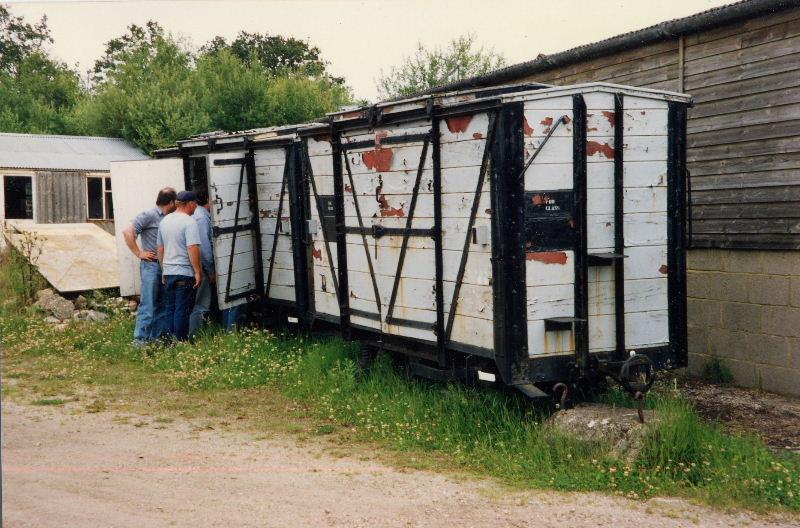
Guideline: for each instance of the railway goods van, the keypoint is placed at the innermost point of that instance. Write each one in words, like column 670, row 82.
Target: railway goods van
column 529, row 234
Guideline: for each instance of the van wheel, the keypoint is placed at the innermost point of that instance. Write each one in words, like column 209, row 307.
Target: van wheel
column 366, row 356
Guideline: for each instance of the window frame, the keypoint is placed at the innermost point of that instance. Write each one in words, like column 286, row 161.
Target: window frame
column 105, row 190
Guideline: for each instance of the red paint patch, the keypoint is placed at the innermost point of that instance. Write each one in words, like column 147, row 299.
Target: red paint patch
column 458, row 123
column 316, row 253
column 389, row 211
column 663, row 269
column 379, row 159
column 547, row 257
column 539, row 199
column 379, row 135
column 477, row 135
column 526, row 128
column 593, row 147
column 612, row 118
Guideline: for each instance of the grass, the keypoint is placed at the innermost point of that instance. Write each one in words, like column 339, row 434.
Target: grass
column 313, row 387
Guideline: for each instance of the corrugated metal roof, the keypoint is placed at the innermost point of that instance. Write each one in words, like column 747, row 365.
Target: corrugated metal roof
column 50, row 152
column 711, row 18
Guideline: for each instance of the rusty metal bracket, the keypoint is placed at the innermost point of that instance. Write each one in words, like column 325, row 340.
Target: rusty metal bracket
column 563, row 388
column 639, row 397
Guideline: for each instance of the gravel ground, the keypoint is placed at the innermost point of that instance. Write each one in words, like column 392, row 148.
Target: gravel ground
column 65, row 468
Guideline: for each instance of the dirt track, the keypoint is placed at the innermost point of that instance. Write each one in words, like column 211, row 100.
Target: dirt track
column 63, row 469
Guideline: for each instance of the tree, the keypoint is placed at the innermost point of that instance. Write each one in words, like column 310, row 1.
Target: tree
column 145, row 91
column 39, row 97
column 37, row 93
column 276, row 54
column 18, row 39
column 429, row 68
column 138, row 39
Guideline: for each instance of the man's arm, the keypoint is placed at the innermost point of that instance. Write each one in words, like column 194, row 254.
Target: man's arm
column 194, row 258
column 130, row 240
column 160, row 254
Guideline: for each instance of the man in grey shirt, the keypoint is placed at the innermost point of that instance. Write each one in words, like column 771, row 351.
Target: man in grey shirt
column 202, row 302
column 179, row 253
column 150, row 314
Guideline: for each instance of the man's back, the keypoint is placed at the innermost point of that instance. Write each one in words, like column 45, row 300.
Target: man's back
column 176, row 233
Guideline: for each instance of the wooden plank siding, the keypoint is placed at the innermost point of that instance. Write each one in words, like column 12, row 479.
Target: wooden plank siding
column 743, row 131
column 61, row 197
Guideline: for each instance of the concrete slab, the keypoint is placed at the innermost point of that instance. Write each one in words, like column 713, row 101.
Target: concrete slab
column 74, row 257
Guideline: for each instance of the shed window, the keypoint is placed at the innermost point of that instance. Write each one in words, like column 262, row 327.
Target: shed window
column 18, row 192
column 99, row 203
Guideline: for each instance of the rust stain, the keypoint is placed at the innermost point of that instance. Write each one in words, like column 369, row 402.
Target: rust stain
column 379, row 159
column 347, row 187
column 540, row 199
column 316, row 253
column 386, row 210
column 592, row 129
column 458, row 123
column 526, row 128
column 379, row 135
column 324, row 137
column 643, row 112
column 547, row 121
column 265, row 213
column 612, row 118
column 352, row 115
column 567, row 120
column 477, row 135
column 594, row 147
column 489, row 211
column 324, row 284
column 663, row 269
column 547, row 257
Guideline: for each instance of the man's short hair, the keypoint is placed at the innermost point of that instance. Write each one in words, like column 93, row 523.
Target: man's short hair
column 166, row 196
column 202, row 195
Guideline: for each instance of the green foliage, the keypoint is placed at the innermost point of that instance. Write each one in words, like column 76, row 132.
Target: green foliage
column 152, row 90
column 18, row 39
column 37, row 93
column 277, row 55
column 716, row 371
column 148, row 97
column 429, row 68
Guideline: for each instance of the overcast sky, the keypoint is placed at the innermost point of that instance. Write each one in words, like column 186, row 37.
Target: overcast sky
column 359, row 38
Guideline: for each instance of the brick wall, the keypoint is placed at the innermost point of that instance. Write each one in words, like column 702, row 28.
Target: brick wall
column 744, row 308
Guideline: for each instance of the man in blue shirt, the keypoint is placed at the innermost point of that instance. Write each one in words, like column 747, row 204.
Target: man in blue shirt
column 202, row 302
column 150, row 314
column 179, row 254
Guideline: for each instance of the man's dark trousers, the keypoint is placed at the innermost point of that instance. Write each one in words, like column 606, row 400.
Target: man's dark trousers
column 179, row 301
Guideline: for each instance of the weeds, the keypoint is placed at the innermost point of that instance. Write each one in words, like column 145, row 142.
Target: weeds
column 715, row 371
column 479, row 430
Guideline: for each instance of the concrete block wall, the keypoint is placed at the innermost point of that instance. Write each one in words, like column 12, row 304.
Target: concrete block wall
column 744, row 308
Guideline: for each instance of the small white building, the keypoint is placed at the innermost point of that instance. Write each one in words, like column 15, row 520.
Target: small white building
column 48, row 179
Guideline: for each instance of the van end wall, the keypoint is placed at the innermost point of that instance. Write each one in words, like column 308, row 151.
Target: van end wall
column 744, row 308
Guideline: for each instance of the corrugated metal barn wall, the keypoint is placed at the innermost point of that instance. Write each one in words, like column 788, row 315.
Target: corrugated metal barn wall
column 61, row 197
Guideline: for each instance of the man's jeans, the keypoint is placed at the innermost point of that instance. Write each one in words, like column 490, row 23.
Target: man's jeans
column 150, row 313
column 202, row 305
column 179, row 300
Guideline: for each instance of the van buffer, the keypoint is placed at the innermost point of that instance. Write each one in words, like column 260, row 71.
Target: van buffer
column 636, row 375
